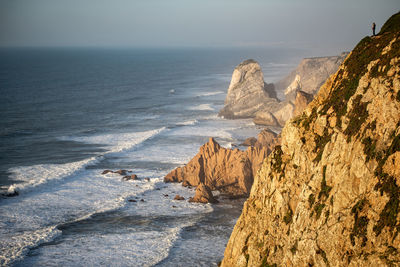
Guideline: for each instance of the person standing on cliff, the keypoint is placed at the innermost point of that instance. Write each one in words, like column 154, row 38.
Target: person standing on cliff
column 373, row 28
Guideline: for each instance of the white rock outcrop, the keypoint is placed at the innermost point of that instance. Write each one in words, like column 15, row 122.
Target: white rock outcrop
column 248, row 93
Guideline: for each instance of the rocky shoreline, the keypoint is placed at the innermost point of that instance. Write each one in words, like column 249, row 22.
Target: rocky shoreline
column 232, row 171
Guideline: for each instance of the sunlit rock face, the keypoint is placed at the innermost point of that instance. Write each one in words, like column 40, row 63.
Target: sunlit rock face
column 329, row 194
column 248, row 93
column 309, row 75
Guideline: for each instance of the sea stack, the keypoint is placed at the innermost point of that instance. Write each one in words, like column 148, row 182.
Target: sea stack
column 247, row 92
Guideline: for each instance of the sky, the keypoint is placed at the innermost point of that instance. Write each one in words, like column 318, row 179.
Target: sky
column 336, row 25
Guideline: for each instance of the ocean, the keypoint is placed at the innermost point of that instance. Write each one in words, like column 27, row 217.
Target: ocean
column 68, row 114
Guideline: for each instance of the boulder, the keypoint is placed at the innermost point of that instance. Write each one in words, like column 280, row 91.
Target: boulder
column 178, row 197
column 247, row 92
column 107, row 171
column 130, row 177
column 203, row 195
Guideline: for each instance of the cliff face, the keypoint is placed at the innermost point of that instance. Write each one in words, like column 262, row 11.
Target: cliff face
column 310, row 74
column 330, row 194
column 247, row 92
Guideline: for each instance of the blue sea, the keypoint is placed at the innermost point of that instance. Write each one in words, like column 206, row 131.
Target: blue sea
column 68, row 114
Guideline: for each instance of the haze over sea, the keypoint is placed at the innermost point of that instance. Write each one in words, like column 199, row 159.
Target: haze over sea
column 69, row 114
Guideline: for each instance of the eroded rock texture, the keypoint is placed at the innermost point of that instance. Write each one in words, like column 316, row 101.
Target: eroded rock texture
column 230, row 171
column 330, row 194
column 248, row 93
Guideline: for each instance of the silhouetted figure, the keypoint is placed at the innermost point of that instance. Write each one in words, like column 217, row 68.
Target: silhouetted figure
column 373, row 28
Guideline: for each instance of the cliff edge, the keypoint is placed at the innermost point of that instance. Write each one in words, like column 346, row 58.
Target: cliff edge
column 329, row 195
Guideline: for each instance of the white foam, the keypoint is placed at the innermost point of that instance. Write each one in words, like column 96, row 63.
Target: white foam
column 118, row 142
column 185, row 123
column 36, row 175
column 202, row 107
column 31, row 220
column 17, row 246
column 145, row 248
column 77, row 200
column 210, row 93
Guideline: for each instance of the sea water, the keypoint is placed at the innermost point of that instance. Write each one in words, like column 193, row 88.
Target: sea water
column 69, row 114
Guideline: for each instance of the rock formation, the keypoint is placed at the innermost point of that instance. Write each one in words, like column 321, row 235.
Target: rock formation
column 310, row 74
column 203, row 195
column 267, row 139
column 301, row 101
column 299, row 88
column 330, row 194
column 248, row 93
column 288, row 109
column 229, row 171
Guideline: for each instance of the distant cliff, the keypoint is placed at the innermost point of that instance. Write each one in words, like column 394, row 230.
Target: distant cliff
column 310, row 74
column 329, row 195
column 249, row 96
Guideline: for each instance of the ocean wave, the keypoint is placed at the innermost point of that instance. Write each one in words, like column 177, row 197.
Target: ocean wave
column 202, row 107
column 210, row 93
column 118, row 142
column 37, row 175
column 24, row 227
column 186, row 123
column 18, row 245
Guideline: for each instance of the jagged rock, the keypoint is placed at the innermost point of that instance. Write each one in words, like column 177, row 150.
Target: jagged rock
column 331, row 197
column 265, row 118
column 178, row 197
column 301, row 101
column 227, row 170
column 251, row 141
column 203, row 195
column 248, row 93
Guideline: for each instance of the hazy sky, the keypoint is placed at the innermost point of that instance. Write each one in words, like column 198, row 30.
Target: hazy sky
column 335, row 24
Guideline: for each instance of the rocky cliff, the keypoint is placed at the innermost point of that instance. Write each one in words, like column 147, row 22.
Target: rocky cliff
column 227, row 170
column 329, row 195
column 310, row 74
column 248, row 93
